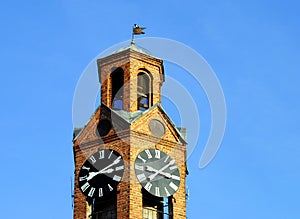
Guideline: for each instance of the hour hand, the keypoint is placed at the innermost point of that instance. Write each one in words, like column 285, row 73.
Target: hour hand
column 149, row 168
column 160, row 171
column 106, row 169
column 91, row 175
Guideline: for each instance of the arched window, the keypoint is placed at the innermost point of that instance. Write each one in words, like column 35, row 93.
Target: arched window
column 143, row 91
column 117, row 82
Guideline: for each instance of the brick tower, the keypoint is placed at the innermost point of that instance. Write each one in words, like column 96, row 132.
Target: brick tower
column 130, row 158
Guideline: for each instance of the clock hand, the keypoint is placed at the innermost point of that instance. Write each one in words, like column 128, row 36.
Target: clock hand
column 151, row 177
column 151, row 169
column 108, row 170
column 168, row 175
column 116, row 161
column 93, row 174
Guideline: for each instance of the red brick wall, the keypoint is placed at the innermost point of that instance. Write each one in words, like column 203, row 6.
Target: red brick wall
column 127, row 140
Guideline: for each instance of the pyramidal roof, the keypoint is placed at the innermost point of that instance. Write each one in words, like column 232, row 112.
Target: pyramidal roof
column 133, row 47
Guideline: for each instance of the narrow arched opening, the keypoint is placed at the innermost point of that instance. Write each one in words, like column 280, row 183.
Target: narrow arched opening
column 144, row 97
column 117, row 88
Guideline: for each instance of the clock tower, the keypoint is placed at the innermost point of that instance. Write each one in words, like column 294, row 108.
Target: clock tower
column 130, row 158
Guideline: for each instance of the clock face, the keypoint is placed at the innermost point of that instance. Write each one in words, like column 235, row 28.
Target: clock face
column 157, row 172
column 101, row 173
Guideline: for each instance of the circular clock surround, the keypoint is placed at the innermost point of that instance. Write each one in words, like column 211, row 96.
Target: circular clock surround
column 157, row 172
column 157, row 128
column 101, row 173
column 103, row 127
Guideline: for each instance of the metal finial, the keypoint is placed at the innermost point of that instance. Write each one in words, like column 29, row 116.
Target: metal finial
column 136, row 30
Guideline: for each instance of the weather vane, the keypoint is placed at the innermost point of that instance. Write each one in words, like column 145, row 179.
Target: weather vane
column 136, row 30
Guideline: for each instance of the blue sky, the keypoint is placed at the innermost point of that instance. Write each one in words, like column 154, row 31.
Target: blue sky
column 253, row 48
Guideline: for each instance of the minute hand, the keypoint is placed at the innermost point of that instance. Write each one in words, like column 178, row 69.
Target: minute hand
column 168, row 175
column 151, row 177
column 92, row 174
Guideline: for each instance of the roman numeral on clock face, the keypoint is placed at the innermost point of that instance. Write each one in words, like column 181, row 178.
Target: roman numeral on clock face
column 167, row 192
column 91, row 192
column 148, row 186
column 117, row 178
column 101, row 154
column 138, row 167
column 157, row 154
column 173, row 186
column 175, row 177
column 157, row 193
column 100, row 192
column 119, row 168
column 110, row 154
column 110, row 187
column 166, row 159
column 85, row 168
column 92, row 159
column 83, row 178
column 148, row 154
column 85, row 186
column 141, row 177
column 142, row 159
column 172, row 167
